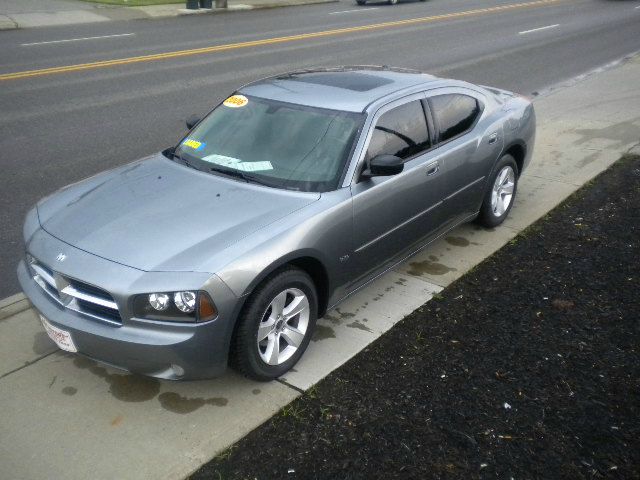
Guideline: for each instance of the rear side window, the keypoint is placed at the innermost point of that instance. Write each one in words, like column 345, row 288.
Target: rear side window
column 454, row 114
column 401, row 131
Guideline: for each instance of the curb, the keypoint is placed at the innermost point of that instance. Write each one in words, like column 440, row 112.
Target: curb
column 13, row 305
column 635, row 150
column 240, row 7
column 586, row 75
column 7, row 23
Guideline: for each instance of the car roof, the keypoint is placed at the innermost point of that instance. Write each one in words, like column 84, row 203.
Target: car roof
column 346, row 88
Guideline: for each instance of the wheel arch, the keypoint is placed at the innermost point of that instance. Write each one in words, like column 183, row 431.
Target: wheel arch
column 518, row 150
column 307, row 261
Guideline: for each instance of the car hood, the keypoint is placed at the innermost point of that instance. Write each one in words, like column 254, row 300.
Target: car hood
column 157, row 215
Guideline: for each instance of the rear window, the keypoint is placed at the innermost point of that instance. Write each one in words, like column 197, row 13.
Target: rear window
column 454, row 113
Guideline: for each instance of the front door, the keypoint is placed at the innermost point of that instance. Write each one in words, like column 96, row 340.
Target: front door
column 393, row 214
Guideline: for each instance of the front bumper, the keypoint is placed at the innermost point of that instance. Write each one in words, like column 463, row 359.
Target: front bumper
column 160, row 349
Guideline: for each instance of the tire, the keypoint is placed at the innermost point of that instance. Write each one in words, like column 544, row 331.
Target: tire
column 361, row 2
column 501, row 193
column 276, row 352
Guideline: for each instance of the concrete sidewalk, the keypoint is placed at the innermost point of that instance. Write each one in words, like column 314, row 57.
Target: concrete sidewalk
column 64, row 416
column 45, row 13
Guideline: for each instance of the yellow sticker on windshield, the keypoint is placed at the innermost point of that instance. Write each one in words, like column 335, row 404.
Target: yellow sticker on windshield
column 192, row 143
column 236, row 101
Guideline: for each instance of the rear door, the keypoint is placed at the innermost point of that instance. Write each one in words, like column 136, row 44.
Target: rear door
column 394, row 213
column 468, row 142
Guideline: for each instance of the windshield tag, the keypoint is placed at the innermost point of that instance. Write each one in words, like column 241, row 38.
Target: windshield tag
column 196, row 145
column 236, row 101
column 254, row 166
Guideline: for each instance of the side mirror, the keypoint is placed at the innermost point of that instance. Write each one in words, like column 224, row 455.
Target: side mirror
column 384, row 165
column 192, row 121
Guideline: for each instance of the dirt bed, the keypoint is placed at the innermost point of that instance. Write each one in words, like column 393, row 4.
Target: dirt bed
column 527, row 367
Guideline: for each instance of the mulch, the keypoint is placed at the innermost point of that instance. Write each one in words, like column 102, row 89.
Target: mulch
column 526, row 367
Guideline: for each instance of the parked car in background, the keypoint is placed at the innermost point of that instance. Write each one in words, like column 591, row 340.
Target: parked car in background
column 287, row 197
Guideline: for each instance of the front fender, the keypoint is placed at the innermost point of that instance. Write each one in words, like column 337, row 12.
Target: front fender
column 321, row 232
column 287, row 259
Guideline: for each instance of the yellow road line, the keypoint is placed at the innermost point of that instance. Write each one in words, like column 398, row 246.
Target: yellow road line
column 269, row 41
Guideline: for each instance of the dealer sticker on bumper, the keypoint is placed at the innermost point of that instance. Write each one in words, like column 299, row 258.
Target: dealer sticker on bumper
column 62, row 338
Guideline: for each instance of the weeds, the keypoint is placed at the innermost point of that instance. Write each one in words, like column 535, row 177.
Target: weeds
column 293, row 411
column 225, row 454
column 313, row 392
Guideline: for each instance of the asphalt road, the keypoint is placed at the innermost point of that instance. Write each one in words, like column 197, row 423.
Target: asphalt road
column 62, row 125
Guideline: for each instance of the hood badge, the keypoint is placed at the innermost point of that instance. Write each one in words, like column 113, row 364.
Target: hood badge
column 61, row 257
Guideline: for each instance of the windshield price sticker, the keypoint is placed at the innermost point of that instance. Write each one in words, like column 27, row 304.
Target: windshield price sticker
column 196, row 145
column 236, row 101
column 238, row 164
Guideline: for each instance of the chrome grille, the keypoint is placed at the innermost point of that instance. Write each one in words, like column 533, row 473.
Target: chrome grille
column 75, row 295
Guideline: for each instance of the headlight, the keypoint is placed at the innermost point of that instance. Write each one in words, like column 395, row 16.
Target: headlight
column 159, row 301
column 184, row 306
column 185, row 301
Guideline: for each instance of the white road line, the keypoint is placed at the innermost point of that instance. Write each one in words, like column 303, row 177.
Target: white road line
column 636, row 8
column 77, row 39
column 360, row 10
column 538, row 29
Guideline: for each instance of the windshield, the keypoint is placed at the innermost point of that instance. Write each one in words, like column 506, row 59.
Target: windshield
column 278, row 144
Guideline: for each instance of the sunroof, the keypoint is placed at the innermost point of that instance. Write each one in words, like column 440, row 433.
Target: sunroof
column 358, row 82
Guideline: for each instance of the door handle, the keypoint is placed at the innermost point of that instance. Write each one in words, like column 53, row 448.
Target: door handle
column 434, row 169
column 493, row 137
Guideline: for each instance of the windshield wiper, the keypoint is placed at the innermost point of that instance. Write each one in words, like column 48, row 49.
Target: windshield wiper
column 184, row 161
column 225, row 171
column 238, row 174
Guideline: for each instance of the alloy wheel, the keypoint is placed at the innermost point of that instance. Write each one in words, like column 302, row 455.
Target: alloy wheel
column 502, row 193
column 283, row 326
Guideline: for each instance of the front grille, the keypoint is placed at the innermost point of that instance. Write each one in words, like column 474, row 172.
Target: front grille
column 73, row 294
column 89, row 289
column 52, row 291
column 99, row 311
column 46, row 269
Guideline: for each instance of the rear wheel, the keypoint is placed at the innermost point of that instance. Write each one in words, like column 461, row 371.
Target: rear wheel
column 276, row 325
column 502, row 191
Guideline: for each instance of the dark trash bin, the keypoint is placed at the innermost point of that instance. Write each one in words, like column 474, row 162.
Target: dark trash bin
column 206, row 3
column 192, row 4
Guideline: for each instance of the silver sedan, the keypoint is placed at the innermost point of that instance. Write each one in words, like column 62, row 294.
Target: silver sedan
column 293, row 193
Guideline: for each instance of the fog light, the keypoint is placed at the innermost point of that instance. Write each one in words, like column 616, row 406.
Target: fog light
column 159, row 301
column 177, row 370
column 185, row 301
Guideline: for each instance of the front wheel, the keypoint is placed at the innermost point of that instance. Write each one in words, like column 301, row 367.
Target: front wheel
column 276, row 325
column 499, row 198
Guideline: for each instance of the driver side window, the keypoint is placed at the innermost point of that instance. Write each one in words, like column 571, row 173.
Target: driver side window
column 402, row 131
